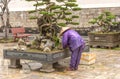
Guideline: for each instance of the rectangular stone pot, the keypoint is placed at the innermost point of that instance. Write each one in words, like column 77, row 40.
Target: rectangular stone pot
column 104, row 40
column 47, row 59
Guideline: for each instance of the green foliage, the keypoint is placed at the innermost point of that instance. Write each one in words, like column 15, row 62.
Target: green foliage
column 55, row 11
column 75, row 16
column 51, row 14
column 106, row 20
column 43, row 12
column 55, row 7
column 68, row 19
column 69, row 4
column 62, row 24
column 68, row 13
column 46, row 13
column 64, row 8
column 32, row 11
column 76, row 9
column 57, row 41
column 39, row 4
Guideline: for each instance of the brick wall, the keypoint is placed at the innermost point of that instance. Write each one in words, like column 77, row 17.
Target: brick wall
column 22, row 18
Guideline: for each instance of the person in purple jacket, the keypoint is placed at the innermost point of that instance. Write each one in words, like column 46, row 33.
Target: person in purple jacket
column 76, row 44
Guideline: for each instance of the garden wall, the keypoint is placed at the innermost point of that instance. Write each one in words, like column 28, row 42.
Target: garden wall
column 21, row 18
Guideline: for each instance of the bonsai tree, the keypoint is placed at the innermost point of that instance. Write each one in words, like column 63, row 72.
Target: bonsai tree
column 106, row 37
column 51, row 16
column 105, row 21
column 5, row 12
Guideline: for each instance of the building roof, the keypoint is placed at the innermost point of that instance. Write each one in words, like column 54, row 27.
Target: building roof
column 22, row 5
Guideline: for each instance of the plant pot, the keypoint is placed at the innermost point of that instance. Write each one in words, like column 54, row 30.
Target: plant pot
column 47, row 59
column 109, row 40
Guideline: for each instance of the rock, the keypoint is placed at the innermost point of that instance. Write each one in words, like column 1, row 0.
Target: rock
column 31, row 66
column 21, row 47
column 47, row 49
column 24, row 71
column 42, row 46
column 49, row 43
column 21, row 42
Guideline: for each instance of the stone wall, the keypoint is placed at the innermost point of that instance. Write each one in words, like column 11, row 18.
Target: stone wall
column 22, row 18
column 89, row 13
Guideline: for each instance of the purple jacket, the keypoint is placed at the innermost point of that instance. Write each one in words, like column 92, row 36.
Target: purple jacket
column 72, row 39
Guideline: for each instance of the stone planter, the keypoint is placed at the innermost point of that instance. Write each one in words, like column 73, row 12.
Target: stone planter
column 104, row 40
column 47, row 59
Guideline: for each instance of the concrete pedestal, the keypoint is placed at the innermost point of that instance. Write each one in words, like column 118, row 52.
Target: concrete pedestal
column 15, row 63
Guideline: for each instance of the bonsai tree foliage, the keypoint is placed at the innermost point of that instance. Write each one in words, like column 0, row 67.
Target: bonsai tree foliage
column 106, row 20
column 51, row 15
column 5, row 12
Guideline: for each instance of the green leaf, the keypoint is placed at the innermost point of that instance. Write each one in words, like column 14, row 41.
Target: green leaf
column 55, row 7
column 57, row 41
column 32, row 11
column 39, row 4
column 76, row 9
column 64, row 8
column 70, row 4
column 101, row 16
column 75, row 16
column 60, row 0
column 115, row 23
column 62, row 24
column 68, row 19
column 68, row 13
column 43, row 12
column 51, row 14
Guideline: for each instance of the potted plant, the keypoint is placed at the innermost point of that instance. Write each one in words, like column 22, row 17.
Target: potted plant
column 103, row 35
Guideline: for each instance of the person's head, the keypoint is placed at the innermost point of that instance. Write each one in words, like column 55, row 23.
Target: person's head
column 63, row 29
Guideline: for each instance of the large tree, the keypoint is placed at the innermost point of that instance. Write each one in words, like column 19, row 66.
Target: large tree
column 4, row 15
column 52, row 14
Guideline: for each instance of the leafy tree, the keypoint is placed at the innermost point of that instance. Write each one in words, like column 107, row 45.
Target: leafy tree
column 5, row 12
